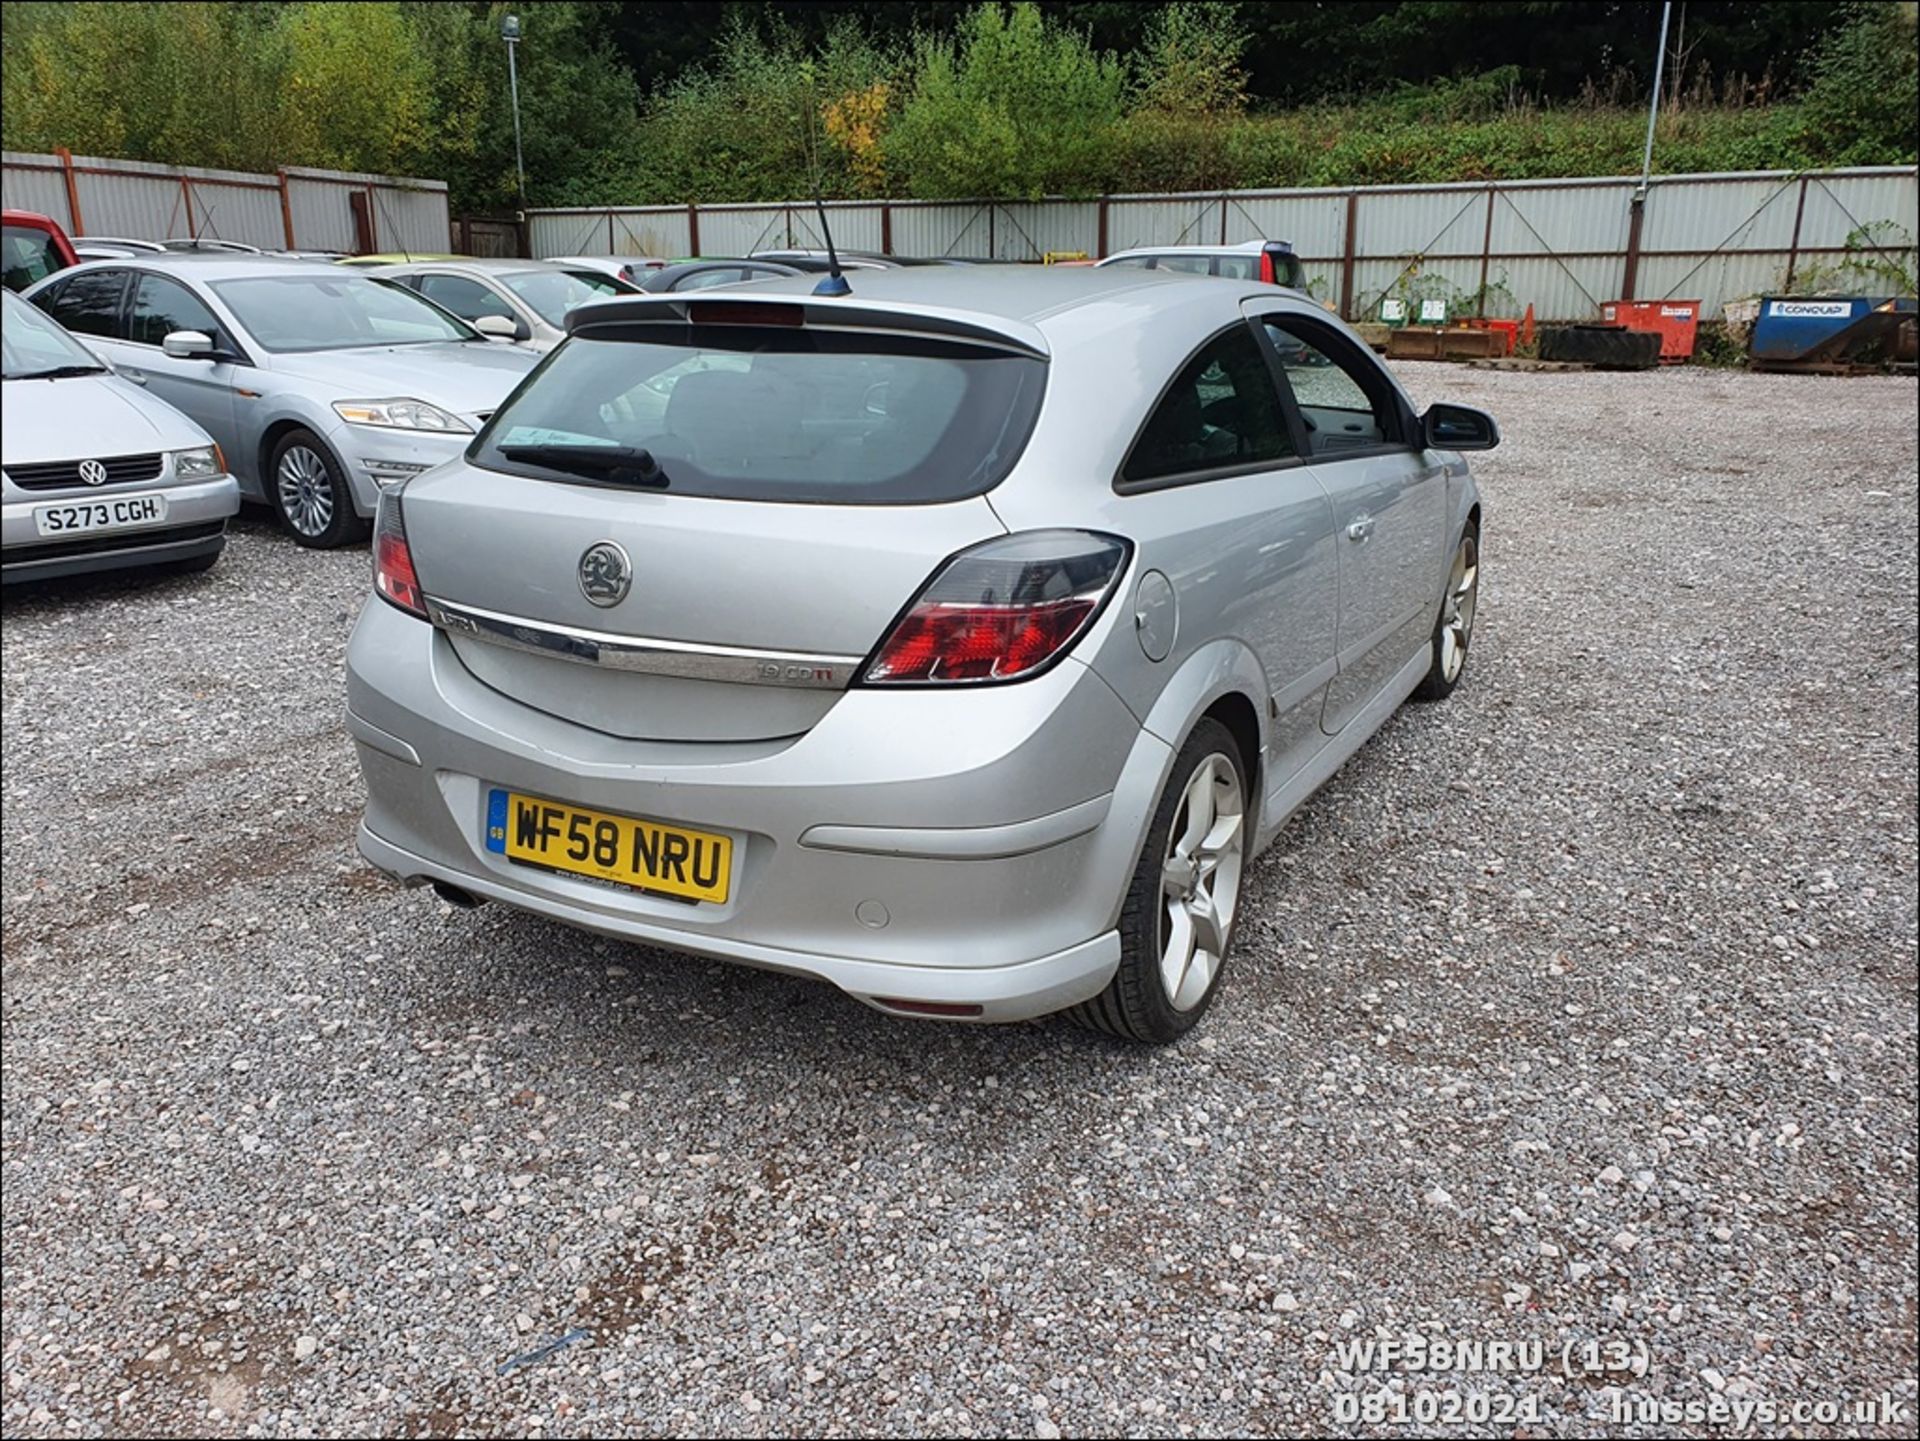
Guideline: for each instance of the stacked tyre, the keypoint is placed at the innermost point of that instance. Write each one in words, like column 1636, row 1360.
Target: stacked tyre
column 1606, row 347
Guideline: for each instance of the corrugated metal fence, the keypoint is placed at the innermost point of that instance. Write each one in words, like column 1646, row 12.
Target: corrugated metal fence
column 294, row 209
column 1562, row 246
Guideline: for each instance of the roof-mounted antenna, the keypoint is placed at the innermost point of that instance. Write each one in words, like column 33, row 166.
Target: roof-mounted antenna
column 833, row 282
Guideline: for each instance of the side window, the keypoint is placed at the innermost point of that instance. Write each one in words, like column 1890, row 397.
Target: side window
column 90, row 304
column 1222, row 410
column 1344, row 404
column 28, row 256
column 468, row 299
column 1132, row 262
column 162, row 306
column 1185, row 264
column 1237, row 267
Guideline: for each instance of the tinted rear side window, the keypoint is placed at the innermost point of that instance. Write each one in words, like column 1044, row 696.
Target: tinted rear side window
column 90, row 304
column 802, row 415
column 1221, row 411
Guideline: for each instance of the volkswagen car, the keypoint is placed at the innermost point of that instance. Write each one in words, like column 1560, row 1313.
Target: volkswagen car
column 322, row 385
column 958, row 641
column 95, row 473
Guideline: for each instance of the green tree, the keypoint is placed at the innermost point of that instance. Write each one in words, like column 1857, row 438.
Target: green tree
column 356, row 86
column 1189, row 96
column 1864, row 103
column 1015, row 105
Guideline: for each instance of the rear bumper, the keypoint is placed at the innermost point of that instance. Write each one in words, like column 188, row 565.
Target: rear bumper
column 1015, row 991
column 962, row 850
column 196, row 526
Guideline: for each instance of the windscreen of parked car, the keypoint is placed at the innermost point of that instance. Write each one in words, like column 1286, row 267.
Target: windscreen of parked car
column 759, row 414
column 32, row 345
column 335, row 312
column 26, row 255
column 552, row 293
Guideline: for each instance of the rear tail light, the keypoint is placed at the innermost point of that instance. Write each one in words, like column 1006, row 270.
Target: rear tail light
column 1266, row 267
column 1002, row 611
column 393, row 573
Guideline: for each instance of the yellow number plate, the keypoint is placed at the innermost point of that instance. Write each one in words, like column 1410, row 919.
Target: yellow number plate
column 644, row 854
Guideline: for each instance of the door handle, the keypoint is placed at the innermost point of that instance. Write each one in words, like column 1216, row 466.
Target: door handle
column 1360, row 529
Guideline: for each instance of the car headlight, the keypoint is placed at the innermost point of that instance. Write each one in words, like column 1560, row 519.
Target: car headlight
column 400, row 415
column 202, row 463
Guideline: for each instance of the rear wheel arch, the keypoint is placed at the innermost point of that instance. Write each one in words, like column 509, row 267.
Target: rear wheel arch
column 1237, row 712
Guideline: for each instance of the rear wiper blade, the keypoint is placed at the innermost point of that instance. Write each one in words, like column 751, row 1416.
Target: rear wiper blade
column 626, row 463
column 58, row 372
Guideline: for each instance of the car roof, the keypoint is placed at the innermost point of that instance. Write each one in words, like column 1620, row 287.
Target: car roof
column 209, row 265
column 479, row 264
column 1048, row 309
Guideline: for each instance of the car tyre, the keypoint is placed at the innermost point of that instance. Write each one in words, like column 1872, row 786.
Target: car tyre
column 308, row 488
column 1176, row 926
column 1453, row 627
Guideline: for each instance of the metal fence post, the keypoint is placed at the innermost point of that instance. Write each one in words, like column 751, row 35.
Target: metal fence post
column 1346, row 264
column 186, row 195
column 1634, row 223
column 1793, row 250
column 693, row 230
column 286, row 211
column 1100, row 245
column 1486, row 254
column 73, row 192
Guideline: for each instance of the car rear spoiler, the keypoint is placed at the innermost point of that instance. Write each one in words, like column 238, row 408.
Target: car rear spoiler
column 847, row 313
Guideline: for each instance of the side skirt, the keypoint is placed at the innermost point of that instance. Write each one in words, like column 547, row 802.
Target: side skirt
column 1294, row 791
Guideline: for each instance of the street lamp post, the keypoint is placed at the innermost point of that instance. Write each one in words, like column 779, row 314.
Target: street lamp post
column 510, row 32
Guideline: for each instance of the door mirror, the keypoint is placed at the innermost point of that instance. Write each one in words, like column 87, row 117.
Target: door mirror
column 501, row 327
column 188, row 345
column 1459, row 427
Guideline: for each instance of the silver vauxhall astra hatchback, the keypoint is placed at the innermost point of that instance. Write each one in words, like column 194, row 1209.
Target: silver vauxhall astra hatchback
column 959, row 641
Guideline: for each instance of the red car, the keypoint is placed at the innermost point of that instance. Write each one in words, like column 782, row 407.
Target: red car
column 32, row 247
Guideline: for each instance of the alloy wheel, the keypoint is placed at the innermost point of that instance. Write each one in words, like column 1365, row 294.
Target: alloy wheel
column 1200, row 881
column 306, row 490
column 1456, row 611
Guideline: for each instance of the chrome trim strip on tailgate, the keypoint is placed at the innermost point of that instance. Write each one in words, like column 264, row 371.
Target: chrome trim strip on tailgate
column 641, row 655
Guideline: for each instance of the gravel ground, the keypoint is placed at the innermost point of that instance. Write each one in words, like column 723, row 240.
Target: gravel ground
column 1579, row 1008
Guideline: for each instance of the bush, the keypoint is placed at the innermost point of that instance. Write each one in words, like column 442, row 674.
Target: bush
column 1015, row 106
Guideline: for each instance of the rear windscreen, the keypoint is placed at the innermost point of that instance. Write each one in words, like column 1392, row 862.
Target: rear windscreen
column 746, row 413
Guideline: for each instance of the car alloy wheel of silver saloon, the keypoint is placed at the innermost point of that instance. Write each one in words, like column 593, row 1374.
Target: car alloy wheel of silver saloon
column 1200, row 881
column 306, row 491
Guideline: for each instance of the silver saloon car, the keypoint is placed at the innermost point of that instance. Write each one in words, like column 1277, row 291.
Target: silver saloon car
column 530, row 298
column 958, row 642
column 96, row 474
column 322, row 385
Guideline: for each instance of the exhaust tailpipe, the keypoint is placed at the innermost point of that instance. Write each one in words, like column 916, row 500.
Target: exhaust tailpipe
column 454, row 896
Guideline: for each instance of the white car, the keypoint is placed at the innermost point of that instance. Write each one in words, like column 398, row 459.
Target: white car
column 95, row 473
column 1269, row 261
column 631, row 268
